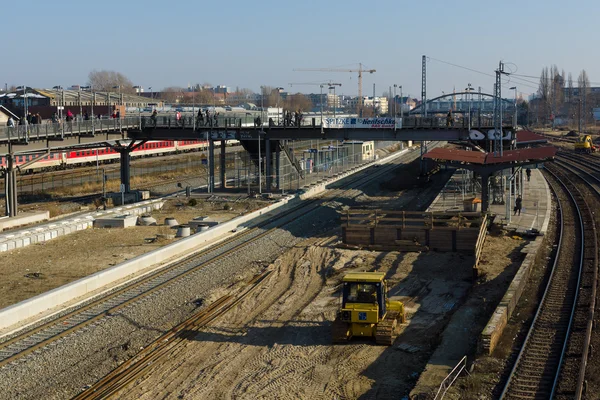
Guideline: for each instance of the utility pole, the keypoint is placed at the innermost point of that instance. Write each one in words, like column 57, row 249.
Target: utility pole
column 401, row 103
column 374, row 113
column 424, row 85
column 498, row 110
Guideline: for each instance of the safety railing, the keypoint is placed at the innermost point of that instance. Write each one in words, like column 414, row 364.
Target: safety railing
column 49, row 130
column 452, row 376
column 93, row 126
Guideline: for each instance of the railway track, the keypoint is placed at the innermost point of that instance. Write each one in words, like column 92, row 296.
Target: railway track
column 551, row 362
column 29, row 342
column 127, row 372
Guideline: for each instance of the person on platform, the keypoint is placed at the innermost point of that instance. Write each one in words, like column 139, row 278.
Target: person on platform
column 154, row 116
column 11, row 122
column 518, row 205
column 528, row 173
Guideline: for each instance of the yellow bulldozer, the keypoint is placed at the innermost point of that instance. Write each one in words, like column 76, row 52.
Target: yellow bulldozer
column 366, row 310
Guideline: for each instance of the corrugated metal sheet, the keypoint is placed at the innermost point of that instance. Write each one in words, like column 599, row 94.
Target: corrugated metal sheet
column 529, row 137
column 476, row 157
column 46, row 93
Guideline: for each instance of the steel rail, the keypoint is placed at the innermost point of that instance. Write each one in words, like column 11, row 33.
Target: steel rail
column 545, row 306
column 125, row 373
column 58, row 328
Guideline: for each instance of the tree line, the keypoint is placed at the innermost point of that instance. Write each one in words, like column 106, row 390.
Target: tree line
column 557, row 96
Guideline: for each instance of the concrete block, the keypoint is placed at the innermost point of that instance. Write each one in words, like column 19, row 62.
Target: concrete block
column 47, row 236
column 4, row 246
column 26, row 241
column 11, row 244
column 118, row 221
column 53, row 234
column 24, row 218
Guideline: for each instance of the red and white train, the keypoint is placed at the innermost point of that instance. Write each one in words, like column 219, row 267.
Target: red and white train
column 74, row 158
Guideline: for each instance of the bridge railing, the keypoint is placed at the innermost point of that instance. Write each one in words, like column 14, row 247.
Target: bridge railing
column 49, row 130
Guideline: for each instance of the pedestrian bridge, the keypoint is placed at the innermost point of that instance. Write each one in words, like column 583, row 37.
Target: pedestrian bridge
column 226, row 128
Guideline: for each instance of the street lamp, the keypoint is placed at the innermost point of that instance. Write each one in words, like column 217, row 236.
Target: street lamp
column 120, row 102
column 332, row 86
column 321, row 106
column 279, row 89
column 262, row 108
column 401, row 102
column 469, row 89
column 515, row 118
column 60, row 108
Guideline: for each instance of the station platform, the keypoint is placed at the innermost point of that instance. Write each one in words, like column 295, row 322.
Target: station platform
column 536, row 205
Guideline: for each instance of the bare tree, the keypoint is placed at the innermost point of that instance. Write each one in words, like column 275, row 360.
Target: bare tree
column 298, row 101
column 172, row 94
column 108, row 80
column 544, row 95
column 583, row 85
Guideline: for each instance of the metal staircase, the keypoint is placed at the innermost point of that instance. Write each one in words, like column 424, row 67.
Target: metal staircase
column 293, row 160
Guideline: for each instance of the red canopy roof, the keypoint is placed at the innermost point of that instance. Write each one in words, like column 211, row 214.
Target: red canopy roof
column 476, row 157
column 529, row 137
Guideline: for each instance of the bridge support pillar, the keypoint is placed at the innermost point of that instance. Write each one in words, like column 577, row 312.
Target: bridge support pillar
column 421, row 162
column 222, row 171
column 268, row 167
column 10, row 185
column 125, row 154
column 485, row 196
column 211, row 166
column 278, row 167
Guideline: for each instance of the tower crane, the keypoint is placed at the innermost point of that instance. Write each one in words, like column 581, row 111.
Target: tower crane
column 360, row 71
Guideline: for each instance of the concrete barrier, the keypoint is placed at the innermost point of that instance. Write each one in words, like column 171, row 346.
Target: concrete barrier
column 50, row 302
column 54, row 229
column 495, row 327
column 25, row 218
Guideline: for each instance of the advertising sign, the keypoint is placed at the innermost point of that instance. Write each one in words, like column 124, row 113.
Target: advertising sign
column 362, row 123
column 506, row 135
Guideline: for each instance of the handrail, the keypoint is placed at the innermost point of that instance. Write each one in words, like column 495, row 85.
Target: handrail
column 446, row 386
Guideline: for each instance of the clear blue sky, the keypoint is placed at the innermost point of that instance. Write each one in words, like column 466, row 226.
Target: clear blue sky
column 251, row 43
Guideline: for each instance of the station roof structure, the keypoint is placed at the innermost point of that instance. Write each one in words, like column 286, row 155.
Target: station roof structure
column 485, row 164
column 525, row 137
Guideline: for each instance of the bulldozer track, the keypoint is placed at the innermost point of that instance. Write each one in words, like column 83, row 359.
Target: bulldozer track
column 386, row 329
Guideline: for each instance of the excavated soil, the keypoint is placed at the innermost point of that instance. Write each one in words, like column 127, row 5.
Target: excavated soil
column 277, row 343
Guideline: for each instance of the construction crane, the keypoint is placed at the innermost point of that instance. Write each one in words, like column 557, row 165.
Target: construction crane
column 360, row 71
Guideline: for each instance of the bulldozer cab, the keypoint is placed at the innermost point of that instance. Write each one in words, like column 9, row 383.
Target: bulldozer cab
column 365, row 288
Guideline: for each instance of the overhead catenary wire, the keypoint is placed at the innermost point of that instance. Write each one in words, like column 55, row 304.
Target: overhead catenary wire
column 506, row 86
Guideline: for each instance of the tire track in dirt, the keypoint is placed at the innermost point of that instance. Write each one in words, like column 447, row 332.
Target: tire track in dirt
column 289, row 289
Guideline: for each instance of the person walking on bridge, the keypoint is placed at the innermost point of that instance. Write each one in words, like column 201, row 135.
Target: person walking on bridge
column 200, row 118
column 449, row 119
